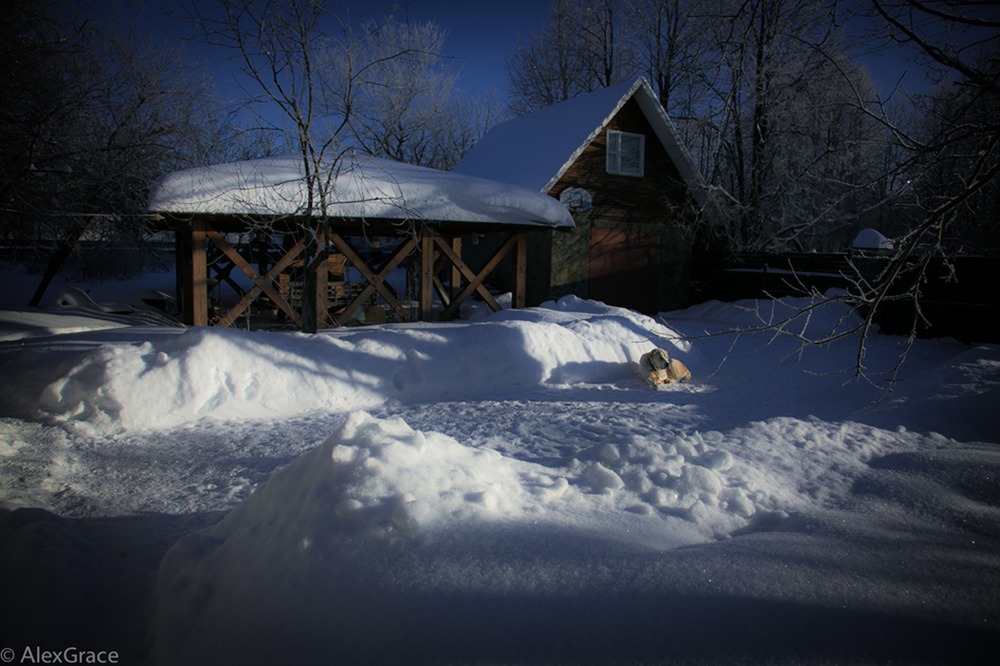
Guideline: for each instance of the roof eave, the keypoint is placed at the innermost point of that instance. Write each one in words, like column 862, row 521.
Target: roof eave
column 593, row 135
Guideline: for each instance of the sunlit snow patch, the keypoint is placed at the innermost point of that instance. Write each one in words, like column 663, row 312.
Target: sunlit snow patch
column 369, row 529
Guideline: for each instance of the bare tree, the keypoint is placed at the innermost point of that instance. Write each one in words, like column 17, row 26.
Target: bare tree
column 330, row 86
column 941, row 177
column 580, row 48
column 88, row 121
column 279, row 46
column 952, row 156
column 949, row 161
column 667, row 37
column 476, row 115
column 405, row 106
column 770, row 55
column 546, row 68
column 607, row 53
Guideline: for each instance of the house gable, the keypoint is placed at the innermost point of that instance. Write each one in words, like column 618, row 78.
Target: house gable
column 652, row 197
column 632, row 242
column 538, row 149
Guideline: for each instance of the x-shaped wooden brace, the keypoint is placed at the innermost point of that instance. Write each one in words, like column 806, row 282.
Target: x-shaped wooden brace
column 261, row 284
column 476, row 280
column 375, row 281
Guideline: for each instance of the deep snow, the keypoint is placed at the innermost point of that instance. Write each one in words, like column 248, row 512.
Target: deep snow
column 503, row 489
column 361, row 187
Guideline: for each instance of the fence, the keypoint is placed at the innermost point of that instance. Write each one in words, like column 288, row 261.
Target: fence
column 958, row 299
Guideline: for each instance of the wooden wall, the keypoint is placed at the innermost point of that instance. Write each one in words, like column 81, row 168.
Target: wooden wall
column 632, row 248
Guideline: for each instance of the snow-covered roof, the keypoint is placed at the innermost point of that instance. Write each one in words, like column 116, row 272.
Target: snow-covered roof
column 363, row 187
column 536, row 149
column 871, row 239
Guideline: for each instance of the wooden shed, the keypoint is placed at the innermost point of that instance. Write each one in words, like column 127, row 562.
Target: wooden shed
column 614, row 157
column 316, row 251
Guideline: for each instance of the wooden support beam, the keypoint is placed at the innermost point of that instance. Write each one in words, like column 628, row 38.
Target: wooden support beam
column 196, row 284
column 520, row 269
column 441, row 262
column 261, row 284
column 426, row 274
column 456, row 274
column 376, row 281
column 476, row 279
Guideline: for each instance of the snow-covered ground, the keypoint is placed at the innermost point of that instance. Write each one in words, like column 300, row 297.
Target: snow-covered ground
column 503, row 489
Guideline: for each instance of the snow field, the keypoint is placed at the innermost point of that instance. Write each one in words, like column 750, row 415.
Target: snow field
column 224, row 374
column 499, row 490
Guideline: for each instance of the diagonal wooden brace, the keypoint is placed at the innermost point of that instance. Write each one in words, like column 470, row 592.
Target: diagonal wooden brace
column 375, row 281
column 261, row 284
column 476, row 280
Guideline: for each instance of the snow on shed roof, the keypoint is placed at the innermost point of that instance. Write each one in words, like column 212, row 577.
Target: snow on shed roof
column 364, row 187
column 536, row 149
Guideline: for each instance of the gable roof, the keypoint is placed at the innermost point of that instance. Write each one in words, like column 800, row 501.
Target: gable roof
column 536, row 149
column 363, row 187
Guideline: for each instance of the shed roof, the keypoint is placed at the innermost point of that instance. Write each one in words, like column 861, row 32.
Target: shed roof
column 536, row 149
column 364, row 187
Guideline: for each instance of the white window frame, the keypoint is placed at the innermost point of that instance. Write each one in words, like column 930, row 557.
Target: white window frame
column 613, row 163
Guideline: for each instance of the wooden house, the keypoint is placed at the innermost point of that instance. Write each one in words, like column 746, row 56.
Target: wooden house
column 301, row 245
column 614, row 157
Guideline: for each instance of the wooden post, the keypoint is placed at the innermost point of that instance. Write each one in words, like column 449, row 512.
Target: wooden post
column 426, row 274
column 456, row 273
column 520, row 269
column 182, row 269
column 323, row 291
column 192, row 271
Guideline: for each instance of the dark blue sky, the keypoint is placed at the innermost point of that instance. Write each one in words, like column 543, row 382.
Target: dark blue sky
column 480, row 35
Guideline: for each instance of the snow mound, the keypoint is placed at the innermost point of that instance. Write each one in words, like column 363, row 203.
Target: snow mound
column 362, row 534
column 225, row 374
column 871, row 239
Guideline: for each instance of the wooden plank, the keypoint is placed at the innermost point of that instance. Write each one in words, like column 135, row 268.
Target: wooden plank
column 476, row 280
column 456, row 274
column 198, row 281
column 520, row 269
column 260, row 284
column 440, row 262
column 376, row 281
column 426, row 275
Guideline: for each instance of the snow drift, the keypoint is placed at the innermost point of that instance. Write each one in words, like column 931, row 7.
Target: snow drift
column 225, row 374
column 501, row 490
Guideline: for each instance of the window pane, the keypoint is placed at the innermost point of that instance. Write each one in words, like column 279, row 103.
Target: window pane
column 625, row 153
column 631, row 154
column 612, row 152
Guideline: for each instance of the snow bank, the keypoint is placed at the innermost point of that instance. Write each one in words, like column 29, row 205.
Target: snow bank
column 350, row 550
column 503, row 490
column 389, row 545
column 225, row 374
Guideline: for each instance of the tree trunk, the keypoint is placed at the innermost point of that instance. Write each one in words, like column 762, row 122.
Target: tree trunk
column 68, row 243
